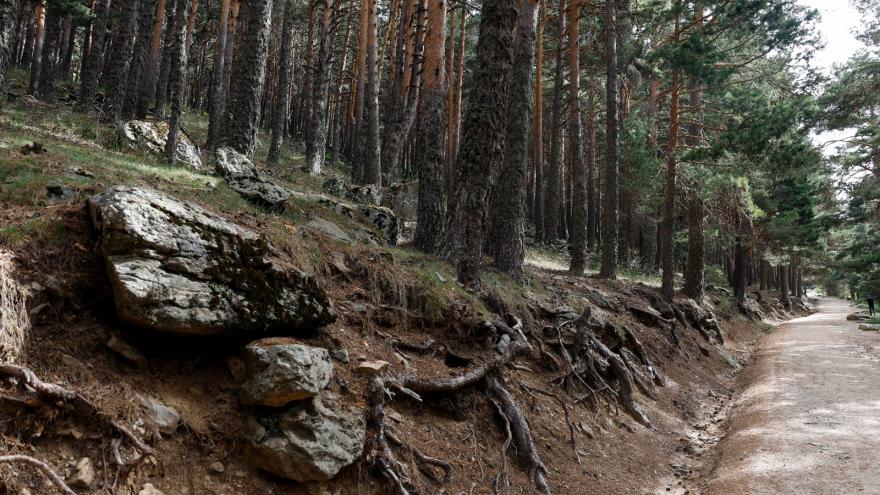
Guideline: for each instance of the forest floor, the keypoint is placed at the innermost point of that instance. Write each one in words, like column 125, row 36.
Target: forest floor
column 808, row 417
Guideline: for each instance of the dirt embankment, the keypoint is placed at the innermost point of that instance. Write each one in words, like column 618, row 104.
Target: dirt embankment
column 388, row 300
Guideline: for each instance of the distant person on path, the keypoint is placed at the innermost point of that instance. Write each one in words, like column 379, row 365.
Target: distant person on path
column 871, row 305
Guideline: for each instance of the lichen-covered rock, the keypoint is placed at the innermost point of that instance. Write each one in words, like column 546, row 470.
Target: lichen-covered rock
column 260, row 192
column 310, row 441
column 152, row 136
column 368, row 194
column 334, row 185
column 230, row 163
column 175, row 267
column 379, row 218
column 280, row 370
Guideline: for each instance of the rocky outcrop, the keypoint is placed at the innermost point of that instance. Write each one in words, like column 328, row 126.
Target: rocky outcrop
column 152, row 136
column 379, row 218
column 175, row 267
column 403, row 199
column 279, row 371
column 260, row 192
column 311, row 441
column 242, row 177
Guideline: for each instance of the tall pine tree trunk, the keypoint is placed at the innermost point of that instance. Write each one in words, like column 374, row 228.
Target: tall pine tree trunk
column 284, row 81
column 371, row 151
column 483, row 131
column 9, row 11
column 538, row 126
column 552, row 189
column 508, row 215
column 46, row 81
column 147, row 85
column 177, row 77
column 92, row 66
column 242, row 114
column 577, row 240
column 218, row 79
column 120, row 55
column 316, row 145
column 165, row 64
column 357, row 117
column 592, row 203
column 139, row 58
column 431, row 211
column 610, row 190
column 667, row 246
column 39, row 38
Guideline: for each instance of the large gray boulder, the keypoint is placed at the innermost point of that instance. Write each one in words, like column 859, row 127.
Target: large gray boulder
column 279, row 371
column 175, row 267
column 152, row 136
column 310, row 441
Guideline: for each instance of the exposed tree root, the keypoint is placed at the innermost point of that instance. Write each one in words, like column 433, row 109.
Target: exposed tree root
column 522, row 435
column 42, row 466
column 54, row 392
column 382, row 389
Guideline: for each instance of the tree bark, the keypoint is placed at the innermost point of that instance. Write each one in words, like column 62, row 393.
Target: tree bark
column 316, row 146
column 215, row 105
column 538, row 127
column 667, row 260
column 146, row 88
column 165, row 65
column 592, row 198
column 46, row 81
column 552, row 189
column 508, row 215
column 139, row 59
column 484, row 129
column 694, row 271
column 39, row 38
column 9, row 12
column 612, row 149
column 577, row 240
column 784, row 296
column 120, row 56
column 284, row 82
column 456, row 118
column 371, row 151
column 177, row 77
column 242, row 114
column 92, row 68
column 357, row 117
column 431, row 211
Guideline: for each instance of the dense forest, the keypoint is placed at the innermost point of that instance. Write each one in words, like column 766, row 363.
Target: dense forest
column 650, row 136
column 581, row 174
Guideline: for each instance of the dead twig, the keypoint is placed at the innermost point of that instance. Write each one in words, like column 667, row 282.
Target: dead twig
column 42, row 466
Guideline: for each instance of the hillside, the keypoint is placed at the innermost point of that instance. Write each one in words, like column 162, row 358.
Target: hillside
column 615, row 390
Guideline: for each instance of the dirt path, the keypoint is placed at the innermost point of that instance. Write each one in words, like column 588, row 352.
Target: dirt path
column 808, row 421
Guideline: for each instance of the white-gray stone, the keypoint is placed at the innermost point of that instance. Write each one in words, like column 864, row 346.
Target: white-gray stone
column 166, row 419
column 152, row 136
column 84, row 476
column 231, row 163
column 279, row 371
column 176, row 267
column 310, row 441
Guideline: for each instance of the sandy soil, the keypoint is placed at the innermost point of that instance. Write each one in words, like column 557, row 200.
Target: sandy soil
column 808, row 420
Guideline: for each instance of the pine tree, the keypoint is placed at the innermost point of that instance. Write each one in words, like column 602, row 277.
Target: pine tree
column 612, row 148
column 248, row 80
column 279, row 119
column 94, row 62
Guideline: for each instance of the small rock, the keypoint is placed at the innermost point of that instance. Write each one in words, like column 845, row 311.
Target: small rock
column 868, row 327
column 340, row 354
column 81, row 172
column 53, row 287
column 70, row 361
column 217, row 467
column 38, row 309
column 84, row 475
column 503, row 344
column 280, row 371
column 149, row 489
column 371, row 368
column 310, row 441
column 120, row 346
column 165, row 418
